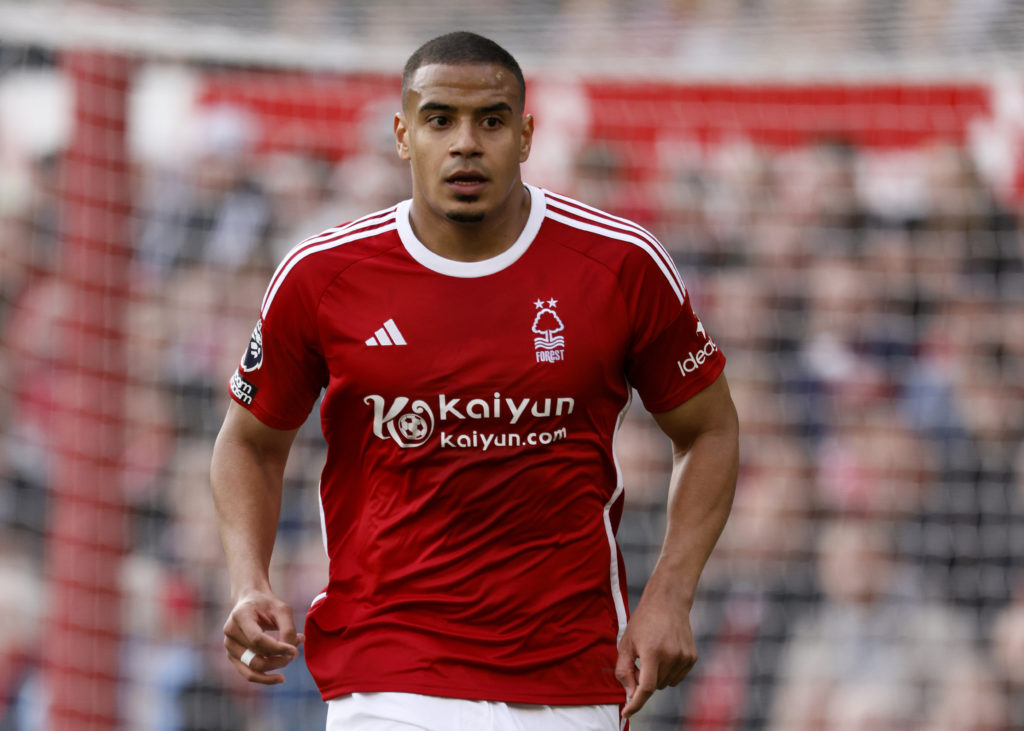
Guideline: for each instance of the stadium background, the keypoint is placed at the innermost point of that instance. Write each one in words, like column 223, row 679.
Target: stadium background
column 840, row 183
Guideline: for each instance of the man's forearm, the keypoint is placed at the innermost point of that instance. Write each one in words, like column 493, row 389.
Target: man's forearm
column 248, row 506
column 246, row 477
column 701, row 491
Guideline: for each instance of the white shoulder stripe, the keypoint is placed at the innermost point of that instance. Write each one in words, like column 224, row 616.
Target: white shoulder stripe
column 623, row 224
column 579, row 207
column 603, row 215
column 309, row 250
column 372, row 220
column 667, row 269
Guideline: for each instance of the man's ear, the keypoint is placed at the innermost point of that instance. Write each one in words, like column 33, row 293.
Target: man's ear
column 401, row 136
column 526, row 138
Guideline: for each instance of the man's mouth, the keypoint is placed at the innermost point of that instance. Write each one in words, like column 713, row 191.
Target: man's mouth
column 466, row 182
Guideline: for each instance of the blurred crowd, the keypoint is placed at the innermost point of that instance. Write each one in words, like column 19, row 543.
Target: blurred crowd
column 872, row 573
column 683, row 35
column 870, row 576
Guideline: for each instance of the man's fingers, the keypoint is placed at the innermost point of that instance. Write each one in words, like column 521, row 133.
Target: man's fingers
column 685, row 660
column 264, row 643
column 262, row 626
column 285, row 625
column 248, row 627
column 680, row 671
column 646, row 684
column 254, row 674
column 259, row 669
column 265, row 664
column 655, row 672
column 625, row 670
column 237, row 649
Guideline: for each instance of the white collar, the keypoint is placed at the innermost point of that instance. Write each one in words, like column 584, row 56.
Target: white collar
column 470, row 269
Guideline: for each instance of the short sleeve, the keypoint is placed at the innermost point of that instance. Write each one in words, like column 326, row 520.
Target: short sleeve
column 672, row 355
column 282, row 369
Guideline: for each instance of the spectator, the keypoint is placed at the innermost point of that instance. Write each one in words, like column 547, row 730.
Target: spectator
column 964, row 395
column 213, row 212
column 874, row 631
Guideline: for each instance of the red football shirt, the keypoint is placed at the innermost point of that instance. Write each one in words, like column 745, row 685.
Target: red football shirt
column 470, row 495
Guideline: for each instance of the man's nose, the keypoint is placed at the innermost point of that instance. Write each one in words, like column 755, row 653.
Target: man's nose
column 465, row 140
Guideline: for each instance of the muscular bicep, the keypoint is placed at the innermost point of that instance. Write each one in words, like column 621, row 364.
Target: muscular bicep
column 244, row 434
column 711, row 410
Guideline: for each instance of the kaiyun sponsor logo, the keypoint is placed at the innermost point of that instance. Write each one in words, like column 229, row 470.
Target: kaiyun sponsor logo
column 412, row 422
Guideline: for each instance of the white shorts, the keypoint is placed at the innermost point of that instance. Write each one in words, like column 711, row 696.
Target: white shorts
column 413, row 712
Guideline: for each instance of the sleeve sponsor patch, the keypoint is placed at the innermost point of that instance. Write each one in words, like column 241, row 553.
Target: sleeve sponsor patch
column 696, row 357
column 253, row 357
column 241, row 389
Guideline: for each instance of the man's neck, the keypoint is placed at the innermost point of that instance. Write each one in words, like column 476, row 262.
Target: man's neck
column 476, row 241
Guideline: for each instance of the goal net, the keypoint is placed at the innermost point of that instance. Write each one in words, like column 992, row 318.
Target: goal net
column 839, row 184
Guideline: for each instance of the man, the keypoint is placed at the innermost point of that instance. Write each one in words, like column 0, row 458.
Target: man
column 476, row 346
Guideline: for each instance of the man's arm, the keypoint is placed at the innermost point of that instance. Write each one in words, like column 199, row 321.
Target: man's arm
column 246, row 476
column 704, row 432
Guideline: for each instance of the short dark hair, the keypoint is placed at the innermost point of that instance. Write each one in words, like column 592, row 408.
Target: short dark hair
column 461, row 47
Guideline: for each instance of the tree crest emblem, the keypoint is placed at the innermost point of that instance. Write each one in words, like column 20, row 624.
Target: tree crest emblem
column 547, row 325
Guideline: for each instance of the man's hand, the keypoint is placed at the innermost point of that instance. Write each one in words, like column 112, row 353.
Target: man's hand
column 255, row 620
column 659, row 636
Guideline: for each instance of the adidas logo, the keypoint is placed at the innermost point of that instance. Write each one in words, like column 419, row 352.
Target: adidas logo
column 387, row 335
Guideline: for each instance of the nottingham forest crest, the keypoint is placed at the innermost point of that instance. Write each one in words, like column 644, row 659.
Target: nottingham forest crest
column 549, row 345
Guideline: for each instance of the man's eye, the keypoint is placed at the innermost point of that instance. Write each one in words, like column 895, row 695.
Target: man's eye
column 492, row 122
column 438, row 121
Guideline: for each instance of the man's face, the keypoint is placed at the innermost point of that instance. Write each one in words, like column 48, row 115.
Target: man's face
column 463, row 131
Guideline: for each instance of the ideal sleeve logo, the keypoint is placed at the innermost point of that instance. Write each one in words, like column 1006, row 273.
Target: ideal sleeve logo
column 253, row 357
column 550, row 345
column 695, row 358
